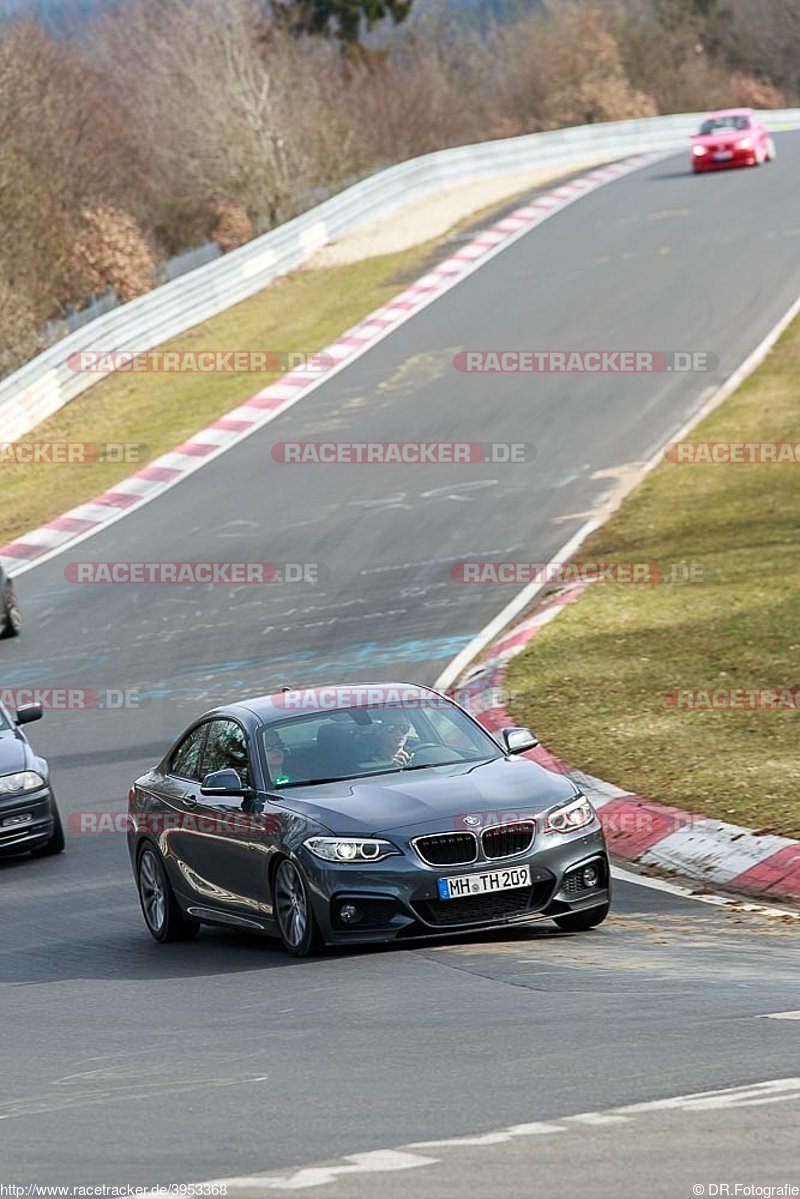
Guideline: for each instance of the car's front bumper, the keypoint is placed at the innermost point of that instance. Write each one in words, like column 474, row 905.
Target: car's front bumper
column 707, row 162
column 27, row 821
column 398, row 897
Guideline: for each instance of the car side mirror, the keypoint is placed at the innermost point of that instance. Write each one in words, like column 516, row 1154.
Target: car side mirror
column 518, row 740
column 29, row 712
column 223, row 782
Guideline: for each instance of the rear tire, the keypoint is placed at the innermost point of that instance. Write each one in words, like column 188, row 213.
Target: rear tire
column 293, row 911
column 12, row 619
column 162, row 914
column 581, row 922
column 56, row 843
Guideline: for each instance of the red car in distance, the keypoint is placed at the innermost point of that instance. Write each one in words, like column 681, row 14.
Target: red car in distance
column 731, row 138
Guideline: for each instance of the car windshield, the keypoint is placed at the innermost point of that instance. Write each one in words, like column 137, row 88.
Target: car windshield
column 722, row 124
column 354, row 742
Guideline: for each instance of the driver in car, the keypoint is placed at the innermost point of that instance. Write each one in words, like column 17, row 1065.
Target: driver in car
column 391, row 737
column 275, row 752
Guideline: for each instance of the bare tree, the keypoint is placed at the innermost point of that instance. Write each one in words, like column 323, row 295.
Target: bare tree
column 223, row 115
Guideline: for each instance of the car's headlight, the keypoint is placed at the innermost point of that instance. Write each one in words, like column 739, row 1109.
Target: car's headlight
column 350, row 849
column 699, row 149
column 24, row 780
column 573, row 815
column 746, row 143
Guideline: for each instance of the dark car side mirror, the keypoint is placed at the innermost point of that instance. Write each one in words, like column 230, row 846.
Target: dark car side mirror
column 29, row 712
column 223, row 782
column 517, row 740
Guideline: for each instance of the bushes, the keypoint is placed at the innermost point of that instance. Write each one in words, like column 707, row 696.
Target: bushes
column 110, row 251
column 232, row 226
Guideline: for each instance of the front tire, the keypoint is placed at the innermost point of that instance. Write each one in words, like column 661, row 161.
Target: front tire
column 162, row 914
column 293, row 912
column 12, row 618
column 581, row 922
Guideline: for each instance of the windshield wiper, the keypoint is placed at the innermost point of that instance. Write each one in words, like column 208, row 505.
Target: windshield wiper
column 455, row 762
column 335, row 778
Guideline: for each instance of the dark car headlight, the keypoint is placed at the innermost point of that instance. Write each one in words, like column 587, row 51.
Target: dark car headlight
column 570, row 816
column 22, row 780
column 350, row 849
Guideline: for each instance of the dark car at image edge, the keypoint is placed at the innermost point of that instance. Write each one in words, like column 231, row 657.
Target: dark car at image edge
column 10, row 617
column 29, row 816
column 328, row 824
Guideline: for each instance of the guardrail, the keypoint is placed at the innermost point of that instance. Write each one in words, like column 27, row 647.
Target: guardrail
column 47, row 382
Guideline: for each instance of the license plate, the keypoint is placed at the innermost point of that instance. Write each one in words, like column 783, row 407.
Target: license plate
column 479, row 884
column 722, row 155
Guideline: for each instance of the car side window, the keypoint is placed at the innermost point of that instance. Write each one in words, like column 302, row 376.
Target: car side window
column 185, row 762
column 226, row 749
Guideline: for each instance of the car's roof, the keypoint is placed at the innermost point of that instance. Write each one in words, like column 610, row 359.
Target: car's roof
column 302, row 701
column 728, row 112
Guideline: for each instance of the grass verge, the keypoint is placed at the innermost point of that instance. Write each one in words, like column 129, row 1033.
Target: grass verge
column 593, row 683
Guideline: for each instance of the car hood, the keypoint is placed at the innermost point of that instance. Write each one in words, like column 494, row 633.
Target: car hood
column 431, row 799
column 724, row 138
column 15, row 754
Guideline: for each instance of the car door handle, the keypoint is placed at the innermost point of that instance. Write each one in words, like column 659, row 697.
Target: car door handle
column 190, row 801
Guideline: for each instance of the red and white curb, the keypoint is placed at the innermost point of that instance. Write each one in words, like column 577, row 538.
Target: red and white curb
column 637, row 829
column 162, row 474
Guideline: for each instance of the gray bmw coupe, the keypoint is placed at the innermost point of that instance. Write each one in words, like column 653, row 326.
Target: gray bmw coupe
column 344, row 815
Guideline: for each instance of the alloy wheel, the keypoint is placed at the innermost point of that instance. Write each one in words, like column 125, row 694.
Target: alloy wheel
column 151, row 890
column 291, row 904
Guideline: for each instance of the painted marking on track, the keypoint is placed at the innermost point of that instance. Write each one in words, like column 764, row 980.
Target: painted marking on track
column 381, row 1161
column 595, row 1118
column 499, row 1137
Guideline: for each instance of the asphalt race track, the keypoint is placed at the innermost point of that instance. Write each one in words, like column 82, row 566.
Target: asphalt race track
column 126, row 1062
